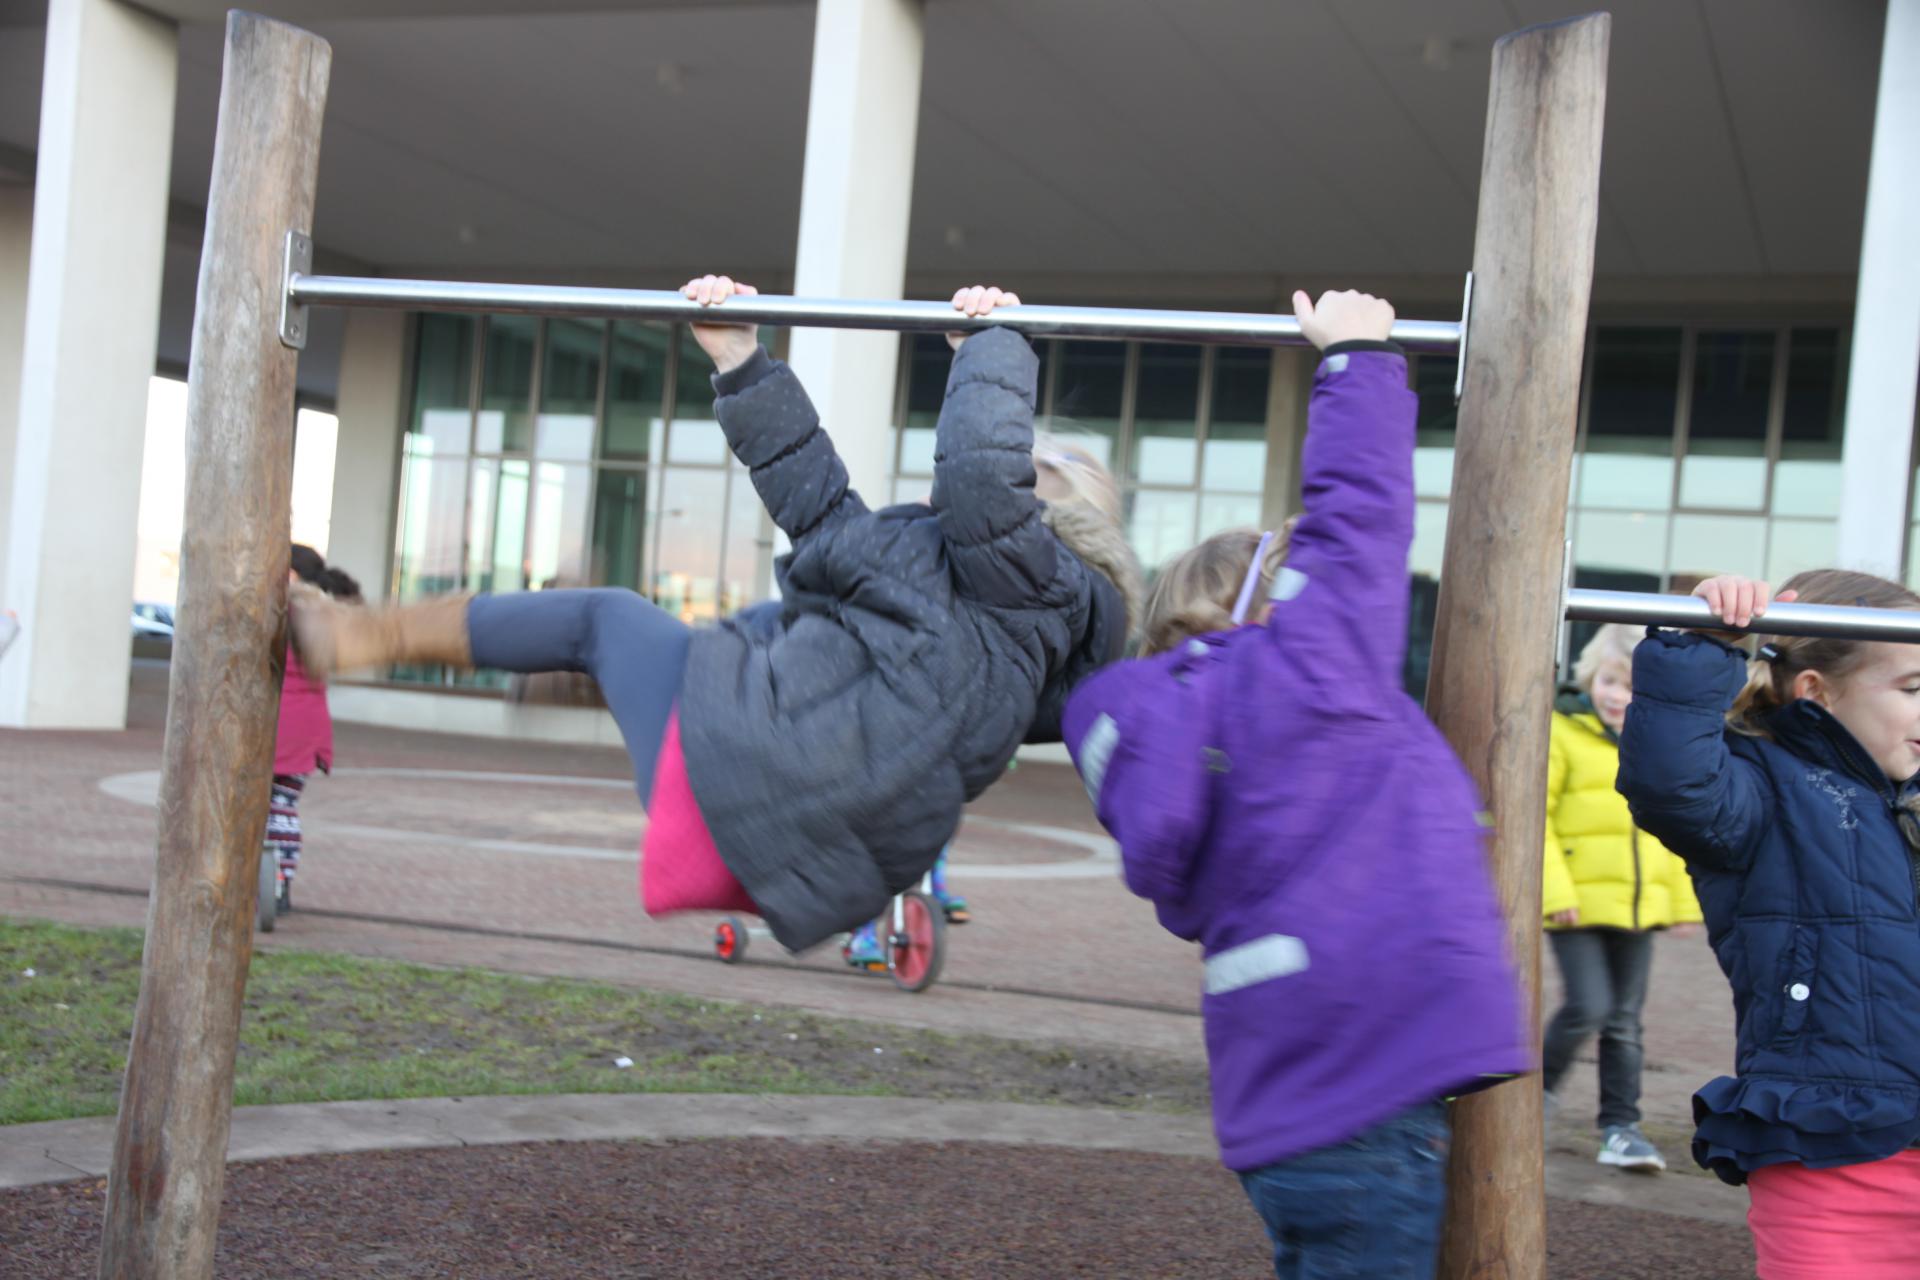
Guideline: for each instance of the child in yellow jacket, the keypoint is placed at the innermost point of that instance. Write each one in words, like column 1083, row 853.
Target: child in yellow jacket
column 1607, row 887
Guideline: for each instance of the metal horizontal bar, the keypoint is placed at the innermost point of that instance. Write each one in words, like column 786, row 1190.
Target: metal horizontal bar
column 1236, row 328
column 1841, row 621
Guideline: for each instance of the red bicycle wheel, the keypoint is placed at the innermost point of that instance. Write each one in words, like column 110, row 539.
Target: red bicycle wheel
column 916, row 950
column 730, row 940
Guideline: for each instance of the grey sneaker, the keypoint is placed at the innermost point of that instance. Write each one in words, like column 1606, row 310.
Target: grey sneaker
column 1625, row 1147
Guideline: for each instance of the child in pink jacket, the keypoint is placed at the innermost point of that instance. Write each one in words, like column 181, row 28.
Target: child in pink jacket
column 304, row 741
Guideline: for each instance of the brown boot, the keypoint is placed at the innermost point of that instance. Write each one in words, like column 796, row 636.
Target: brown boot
column 332, row 637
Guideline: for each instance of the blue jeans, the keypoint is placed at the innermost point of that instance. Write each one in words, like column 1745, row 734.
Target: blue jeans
column 1368, row 1207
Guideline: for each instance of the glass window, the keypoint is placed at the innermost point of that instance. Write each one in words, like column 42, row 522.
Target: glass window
column 740, row 566
column 1423, row 611
column 1433, row 438
column 1806, row 480
column 685, row 578
column 1089, row 386
column 1160, row 524
column 1220, row 511
column 620, row 509
column 557, row 552
column 432, row 498
column 569, row 391
column 928, row 359
column 442, row 414
column 1615, row 475
column 1429, row 538
column 506, row 385
column 1236, row 452
column 636, row 391
column 1433, row 377
column 693, row 436
column 1726, row 459
column 1708, row 545
column 497, row 525
column 917, row 451
column 693, row 385
column 1242, row 378
column 1611, row 542
column 1636, row 382
column 1166, row 406
column 1634, row 391
column 1798, row 545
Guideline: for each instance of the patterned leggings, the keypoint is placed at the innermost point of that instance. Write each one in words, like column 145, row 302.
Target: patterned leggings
column 283, row 819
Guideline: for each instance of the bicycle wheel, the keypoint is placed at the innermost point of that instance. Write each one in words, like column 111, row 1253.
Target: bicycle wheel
column 265, row 907
column 916, row 950
column 730, row 940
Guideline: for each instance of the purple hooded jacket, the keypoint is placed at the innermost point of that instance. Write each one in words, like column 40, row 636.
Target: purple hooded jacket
column 1283, row 802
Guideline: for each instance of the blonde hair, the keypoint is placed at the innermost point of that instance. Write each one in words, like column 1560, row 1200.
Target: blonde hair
column 1085, row 477
column 1195, row 592
column 1770, row 675
column 1612, row 643
column 1089, row 520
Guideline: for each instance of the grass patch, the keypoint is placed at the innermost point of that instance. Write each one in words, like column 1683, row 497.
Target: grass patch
column 322, row 1027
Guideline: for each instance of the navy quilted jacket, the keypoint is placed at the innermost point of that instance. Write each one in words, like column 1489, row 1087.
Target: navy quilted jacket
column 832, row 737
column 1812, row 903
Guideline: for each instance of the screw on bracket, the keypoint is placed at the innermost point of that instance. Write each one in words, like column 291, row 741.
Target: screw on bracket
column 293, row 315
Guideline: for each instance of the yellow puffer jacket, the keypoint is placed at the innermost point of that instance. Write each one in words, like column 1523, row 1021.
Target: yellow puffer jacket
column 1619, row 877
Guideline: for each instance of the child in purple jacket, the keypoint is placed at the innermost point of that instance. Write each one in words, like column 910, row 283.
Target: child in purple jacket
column 1284, row 803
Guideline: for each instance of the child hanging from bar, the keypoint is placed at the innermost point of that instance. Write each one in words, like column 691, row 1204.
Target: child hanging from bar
column 1787, row 782
column 303, row 740
column 1283, row 802
column 807, row 758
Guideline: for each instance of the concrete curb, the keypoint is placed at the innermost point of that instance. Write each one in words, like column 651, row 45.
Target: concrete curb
column 66, row 1150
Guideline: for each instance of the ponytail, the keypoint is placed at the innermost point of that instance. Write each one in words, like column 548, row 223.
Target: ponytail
column 1779, row 660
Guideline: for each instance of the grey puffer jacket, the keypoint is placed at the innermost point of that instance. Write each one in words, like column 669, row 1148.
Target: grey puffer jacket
column 832, row 737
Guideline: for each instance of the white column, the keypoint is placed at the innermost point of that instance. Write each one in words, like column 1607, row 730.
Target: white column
column 1874, row 466
column 93, row 314
column 373, row 379
column 855, row 197
column 16, row 235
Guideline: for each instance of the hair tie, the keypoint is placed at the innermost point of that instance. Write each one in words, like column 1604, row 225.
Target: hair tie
column 1252, row 579
column 1770, row 653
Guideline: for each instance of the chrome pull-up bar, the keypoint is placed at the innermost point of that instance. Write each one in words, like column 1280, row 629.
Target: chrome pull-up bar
column 1838, row 621
column 304, row 289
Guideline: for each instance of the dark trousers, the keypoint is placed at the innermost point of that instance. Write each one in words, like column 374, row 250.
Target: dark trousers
column 635, row 650
column 1367, row 1207
column 1605, row 973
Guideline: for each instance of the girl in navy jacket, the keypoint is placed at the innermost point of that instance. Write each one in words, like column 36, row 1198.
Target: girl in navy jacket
column 1788, row 787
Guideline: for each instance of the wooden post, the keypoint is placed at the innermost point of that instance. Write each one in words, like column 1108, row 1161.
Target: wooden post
column 170, row 1145
column 1491, row 689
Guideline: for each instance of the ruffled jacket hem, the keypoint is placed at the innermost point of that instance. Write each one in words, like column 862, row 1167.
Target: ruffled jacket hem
column 1749, row 1122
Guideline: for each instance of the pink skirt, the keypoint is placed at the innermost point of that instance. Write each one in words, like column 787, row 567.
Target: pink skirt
column 680, row 869
column 1856, row 1222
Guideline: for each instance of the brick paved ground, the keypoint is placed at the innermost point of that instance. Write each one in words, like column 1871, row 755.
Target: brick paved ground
column 1082, row 937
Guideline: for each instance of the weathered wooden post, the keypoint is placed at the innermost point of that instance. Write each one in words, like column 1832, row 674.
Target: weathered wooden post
column 170, row 1146
column 1491, row 688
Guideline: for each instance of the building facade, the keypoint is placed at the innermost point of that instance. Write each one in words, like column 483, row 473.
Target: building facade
column 1755, row 174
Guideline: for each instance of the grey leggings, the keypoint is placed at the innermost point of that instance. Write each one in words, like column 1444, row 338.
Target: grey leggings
column 634, row 650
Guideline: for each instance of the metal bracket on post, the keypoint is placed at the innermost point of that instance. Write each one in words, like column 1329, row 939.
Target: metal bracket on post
column 1460, row 361
column 293, row 315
